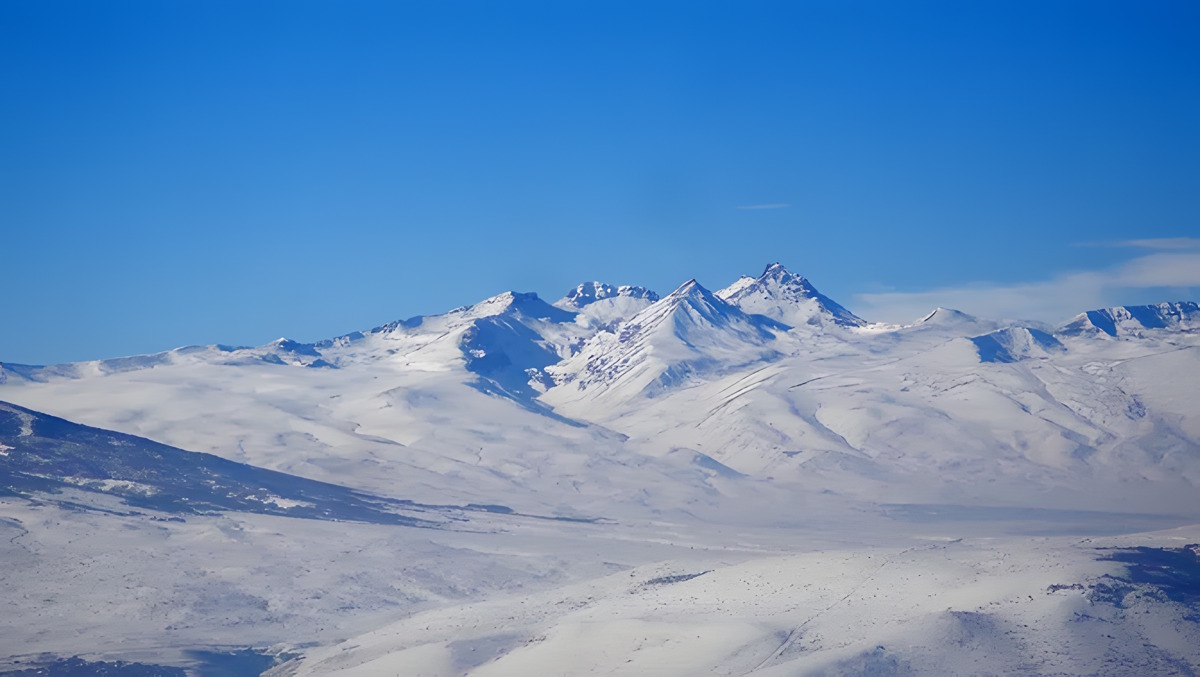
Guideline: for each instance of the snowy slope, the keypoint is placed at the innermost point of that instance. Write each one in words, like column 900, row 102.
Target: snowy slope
column 506, row 340
column 278, row 352
column 761, row 436
column 435, row 409
column 1049, row 606
column 687, row 334
column 951, row 322
column 1134, row 321
column 472, row 401
column 788, row 298
column 603, row 305
column 871, row 420
column 1016, row 343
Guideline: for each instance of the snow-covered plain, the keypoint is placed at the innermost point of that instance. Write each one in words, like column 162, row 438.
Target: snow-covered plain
column 747, row 480
column 936, row 607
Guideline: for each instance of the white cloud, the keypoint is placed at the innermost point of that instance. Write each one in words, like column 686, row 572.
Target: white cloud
column 1164, row 243
column 1050, row 300
column 1160, row 270
column 1150, row 243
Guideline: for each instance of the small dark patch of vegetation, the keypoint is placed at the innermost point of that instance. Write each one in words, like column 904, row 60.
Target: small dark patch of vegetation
column 1064, row 586
column 667, row 580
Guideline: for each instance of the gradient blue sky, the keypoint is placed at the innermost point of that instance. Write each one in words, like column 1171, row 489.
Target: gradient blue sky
column 194, row 172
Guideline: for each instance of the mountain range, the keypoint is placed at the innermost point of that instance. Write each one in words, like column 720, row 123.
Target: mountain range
column 604, row 430
column 766, row 378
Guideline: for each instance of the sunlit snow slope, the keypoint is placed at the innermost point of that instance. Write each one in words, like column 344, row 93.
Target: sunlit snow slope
column 614, row 394
column 754, row 480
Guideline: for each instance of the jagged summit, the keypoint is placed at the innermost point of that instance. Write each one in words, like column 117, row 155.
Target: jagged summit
column 711, row 306
column 588, row 293
column 602, row 306
column 1133, row 321
column 787, row 297
column 692, row 308
column 688, row 332
column 703, row 305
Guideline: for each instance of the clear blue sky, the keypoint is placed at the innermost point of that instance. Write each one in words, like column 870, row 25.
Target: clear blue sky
column 194, row 172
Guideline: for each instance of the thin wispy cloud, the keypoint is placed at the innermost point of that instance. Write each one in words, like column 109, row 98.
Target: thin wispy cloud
column 1166, row 243
column 1053, row 299
column 770, row 205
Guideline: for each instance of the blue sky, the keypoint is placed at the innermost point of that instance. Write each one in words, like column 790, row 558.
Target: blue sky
column 194, row 172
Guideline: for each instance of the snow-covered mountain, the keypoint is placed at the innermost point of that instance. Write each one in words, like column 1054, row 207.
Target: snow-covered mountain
column 1134, row 321
column 1016, row 343
column 603, row 306
column 47, row 455
column 598, row 454
column 767, row 377
column 688, row 333
column 788, row 298
column 951, row 322
column 588, row 293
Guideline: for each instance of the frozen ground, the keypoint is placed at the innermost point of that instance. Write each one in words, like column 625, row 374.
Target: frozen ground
column 851, row 593
column 974, row 606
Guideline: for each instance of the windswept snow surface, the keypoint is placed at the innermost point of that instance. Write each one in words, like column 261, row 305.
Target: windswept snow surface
column 749, row 481
column 1013, row 606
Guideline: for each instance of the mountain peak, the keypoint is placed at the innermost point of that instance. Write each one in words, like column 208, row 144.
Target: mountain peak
column 689, row 331
column 782, row 295
column 777, row 270
column 588, row 293
column 942, row 315
column 692, row 304
column 525, row 303
column 692, row 292
column 510, row 303
column 689, row 288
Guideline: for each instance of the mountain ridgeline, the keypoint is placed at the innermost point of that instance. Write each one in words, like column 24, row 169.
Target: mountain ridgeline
column 765, row 378
column 515, row 339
